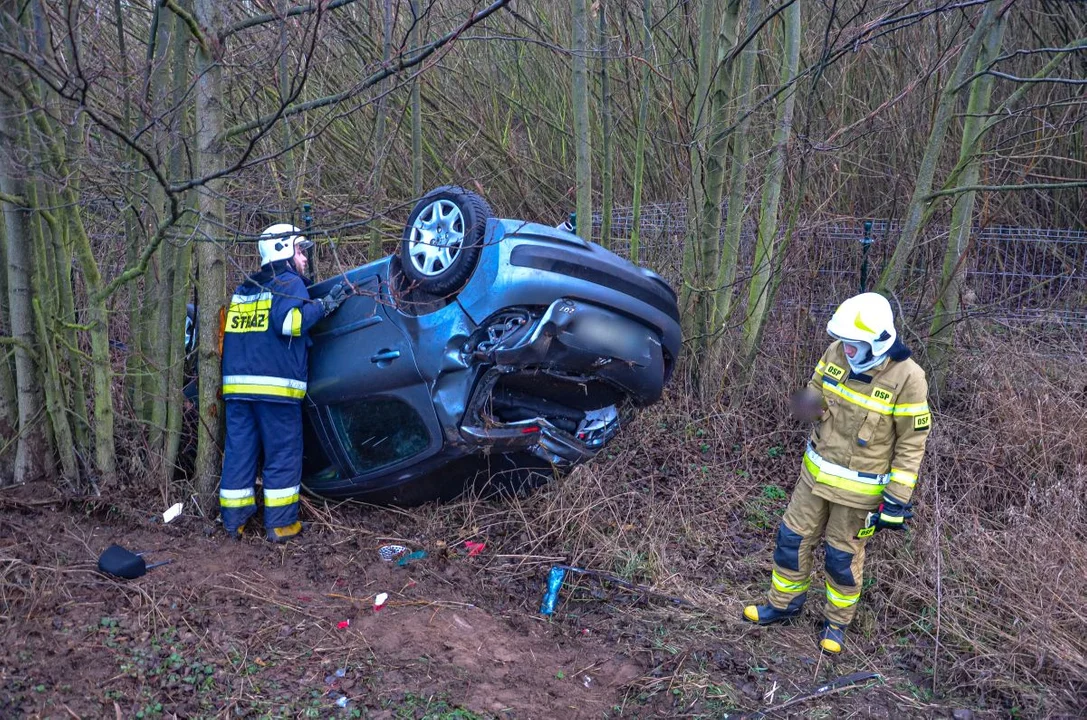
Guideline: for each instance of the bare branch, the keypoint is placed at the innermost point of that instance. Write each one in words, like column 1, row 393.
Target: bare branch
column 149, row 250
column 399, row 63
column 273, row 17
column 1039, row 77
column 1006, row 188
column 15, row 200
column 1015, row 78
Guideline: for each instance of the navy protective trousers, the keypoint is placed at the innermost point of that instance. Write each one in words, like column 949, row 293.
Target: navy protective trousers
column 256, row 429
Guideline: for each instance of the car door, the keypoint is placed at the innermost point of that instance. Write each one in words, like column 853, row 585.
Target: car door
column 372, row 410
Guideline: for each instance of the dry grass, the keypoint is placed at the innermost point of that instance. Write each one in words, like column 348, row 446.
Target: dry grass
column 997, row 569
column 982, row 599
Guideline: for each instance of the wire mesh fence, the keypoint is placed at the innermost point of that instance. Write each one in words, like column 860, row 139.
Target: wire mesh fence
column 1016, row 275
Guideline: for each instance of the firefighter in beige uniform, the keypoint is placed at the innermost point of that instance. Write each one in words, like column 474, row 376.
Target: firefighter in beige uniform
column 860, row 467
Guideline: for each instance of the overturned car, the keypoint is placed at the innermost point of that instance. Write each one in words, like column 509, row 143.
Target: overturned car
column 486, row 348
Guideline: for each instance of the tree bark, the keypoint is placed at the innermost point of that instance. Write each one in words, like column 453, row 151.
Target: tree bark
column 942, row 330
column 174, row 260
column 211, row 268
column 607, row 129
column 705, row 230
column 639, row 143
column 290, row 166
column 695, row 274
column 730, row 242
column 97, row 312
column 54, row 402
column 760, row 291
column 583, row 181
column 416, row 110
column 74, row 357
column 31, row 461
column 9, row 405
column 381, row 120
column 150, row 327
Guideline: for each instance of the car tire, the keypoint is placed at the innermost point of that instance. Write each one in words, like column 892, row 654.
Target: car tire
column 443, row 239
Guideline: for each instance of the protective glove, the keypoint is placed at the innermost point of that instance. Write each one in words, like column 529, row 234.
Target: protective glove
column 892, row 515
column 334, row 299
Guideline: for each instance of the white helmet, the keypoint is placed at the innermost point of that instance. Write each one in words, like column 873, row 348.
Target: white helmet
column 279, row 242
column 865, row 318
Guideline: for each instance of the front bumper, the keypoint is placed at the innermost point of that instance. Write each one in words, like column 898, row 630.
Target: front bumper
column 587, row 343
column 586, row 356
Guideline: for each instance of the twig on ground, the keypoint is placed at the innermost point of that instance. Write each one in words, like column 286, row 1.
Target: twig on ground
column 403, row 603
column 837, row 685
column 623, row 583
column 27, row 504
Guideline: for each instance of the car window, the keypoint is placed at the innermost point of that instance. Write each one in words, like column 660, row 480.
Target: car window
column 377, row 432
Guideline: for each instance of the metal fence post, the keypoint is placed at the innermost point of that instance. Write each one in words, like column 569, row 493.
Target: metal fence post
column 866, row 245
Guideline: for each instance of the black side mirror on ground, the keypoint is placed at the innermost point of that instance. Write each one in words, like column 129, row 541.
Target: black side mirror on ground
column 122, row 563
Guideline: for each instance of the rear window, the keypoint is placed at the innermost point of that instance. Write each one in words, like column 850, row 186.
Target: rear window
column 378, row 432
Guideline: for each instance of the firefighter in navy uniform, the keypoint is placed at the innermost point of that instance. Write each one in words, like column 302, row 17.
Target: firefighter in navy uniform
column 265, row 347
column 870, row 401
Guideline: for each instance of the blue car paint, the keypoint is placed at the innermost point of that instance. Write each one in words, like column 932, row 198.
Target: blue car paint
column 372, row 347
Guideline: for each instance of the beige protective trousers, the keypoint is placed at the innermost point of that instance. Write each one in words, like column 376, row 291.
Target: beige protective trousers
column 806, row 520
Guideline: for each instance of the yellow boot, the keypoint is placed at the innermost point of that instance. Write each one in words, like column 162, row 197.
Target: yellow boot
column 283, row 534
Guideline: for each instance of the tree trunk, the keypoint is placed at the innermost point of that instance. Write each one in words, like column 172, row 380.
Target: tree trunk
column 911, row 228
column 211, row 268
column 44, row 301
column 583, row 181
column 98, row 322
column 767, row 252
column 707, row 221
column 167, row 349
column 31, row 460
column 639, row 143
column 175, row 377
column 380, row 122
column 607, row 128
column 942, row 331
column 416, row 110
column 97, row 325
column 290, row 166
column 9, row 405
column 135, row 368
column 55, row 402
column 62, row 256
column 150, row 327
column 695, row 274
column 43, row 295
column 730, row 243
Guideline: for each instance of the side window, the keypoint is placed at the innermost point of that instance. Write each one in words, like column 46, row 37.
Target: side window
column 377, row 432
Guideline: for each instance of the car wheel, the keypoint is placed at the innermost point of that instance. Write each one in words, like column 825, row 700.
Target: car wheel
column 443, row 239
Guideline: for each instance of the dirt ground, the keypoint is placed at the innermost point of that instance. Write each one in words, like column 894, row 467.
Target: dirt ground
column 248, row 629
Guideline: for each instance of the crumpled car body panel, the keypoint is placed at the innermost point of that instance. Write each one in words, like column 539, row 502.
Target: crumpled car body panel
column 529, row 368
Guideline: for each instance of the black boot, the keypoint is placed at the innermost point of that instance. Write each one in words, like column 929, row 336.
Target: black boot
column 767, row 614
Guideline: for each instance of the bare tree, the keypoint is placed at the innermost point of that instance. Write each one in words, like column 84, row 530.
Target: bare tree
column 579, row 97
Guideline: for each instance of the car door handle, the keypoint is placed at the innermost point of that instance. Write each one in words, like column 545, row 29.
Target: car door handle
column 385, row 356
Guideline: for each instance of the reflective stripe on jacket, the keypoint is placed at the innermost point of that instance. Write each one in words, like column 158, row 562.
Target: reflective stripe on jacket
column 264, row 338
column 875, row 425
